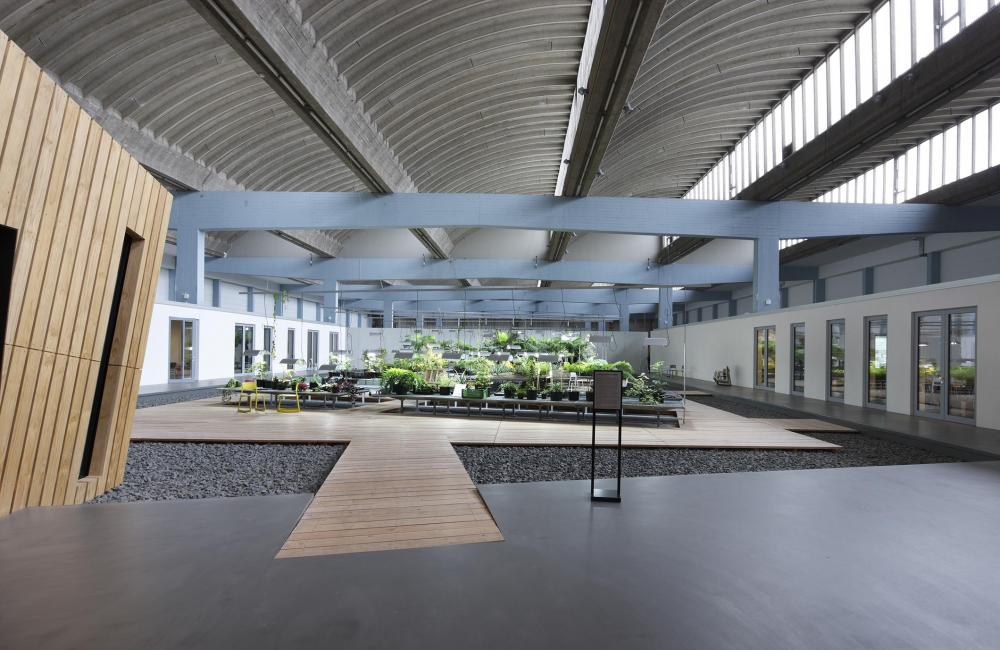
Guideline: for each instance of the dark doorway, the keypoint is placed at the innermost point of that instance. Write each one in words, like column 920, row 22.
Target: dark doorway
column 8, row 242
column 119, row 317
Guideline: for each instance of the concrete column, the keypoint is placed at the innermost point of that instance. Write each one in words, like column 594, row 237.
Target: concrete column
column 298, row 308
column 602, row 326
column 819, row 290
column 934, row 267
column 621, row 297
column 387, row 314
column 190, row 275
column 766, row 286
column 665, row 310
column 216, row 293
column 249, row 300
column 279, row 305
column 868, row 281
column 331, row 303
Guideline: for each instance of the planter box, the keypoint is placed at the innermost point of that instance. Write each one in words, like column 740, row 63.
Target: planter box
column 473, row 393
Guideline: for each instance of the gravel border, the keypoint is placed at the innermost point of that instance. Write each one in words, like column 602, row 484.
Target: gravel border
column 175, row 397
column 158, row 471
column 520, row 464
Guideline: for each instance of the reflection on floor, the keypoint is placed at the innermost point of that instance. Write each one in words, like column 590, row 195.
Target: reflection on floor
column 880, row 557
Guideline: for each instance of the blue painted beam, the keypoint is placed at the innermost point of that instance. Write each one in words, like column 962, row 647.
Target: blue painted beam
column 371, row 269
column 633, row 215
column 610, row 311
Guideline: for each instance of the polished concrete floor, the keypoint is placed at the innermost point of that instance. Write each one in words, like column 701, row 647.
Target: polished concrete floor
column 880, row 557
column 963, row 440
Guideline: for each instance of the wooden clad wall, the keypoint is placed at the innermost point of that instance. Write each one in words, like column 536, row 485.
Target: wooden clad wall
column 72, row 194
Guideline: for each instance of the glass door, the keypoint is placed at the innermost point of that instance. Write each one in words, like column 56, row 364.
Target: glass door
column 799, row 358
column 181, row 349
column 836, row 339
column 268, row 349
column 243, row 352
column 946, row 364
column 764, row 357
column 312, row 348
column 877, row 362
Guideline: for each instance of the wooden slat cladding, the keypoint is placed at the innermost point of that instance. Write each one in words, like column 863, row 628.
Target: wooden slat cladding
column 72, row 195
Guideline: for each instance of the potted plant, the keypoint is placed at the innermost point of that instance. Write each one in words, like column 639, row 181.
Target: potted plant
column 573, row 395
column 397, row 381
column 531, row 394
column 590, row 396
column 446, row 386
column 556, row 391
column 509, row 389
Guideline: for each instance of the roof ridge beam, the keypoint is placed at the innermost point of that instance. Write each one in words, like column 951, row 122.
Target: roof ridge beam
column 614, row 47
column 273, row 41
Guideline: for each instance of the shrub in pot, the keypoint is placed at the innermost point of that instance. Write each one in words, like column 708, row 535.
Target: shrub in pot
column 509, row 389
column 556, row 391
column 531, row 393
column 397, row 381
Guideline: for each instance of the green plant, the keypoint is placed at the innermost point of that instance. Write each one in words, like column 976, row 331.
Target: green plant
column 374, row 360
column 421, row 342
column 646, row 390
column 398, row 381
column 474, row 365
column 577, row 347
column 509, row 388
column 482, row 380
column 233, row 383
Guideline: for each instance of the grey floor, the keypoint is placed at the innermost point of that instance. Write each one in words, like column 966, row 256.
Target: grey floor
column 966, row 440
column 879, row 557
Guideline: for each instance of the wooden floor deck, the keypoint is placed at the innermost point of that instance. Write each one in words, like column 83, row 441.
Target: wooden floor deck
column 400, row 484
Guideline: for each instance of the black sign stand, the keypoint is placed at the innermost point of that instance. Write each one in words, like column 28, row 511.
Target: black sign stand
column 607, row 398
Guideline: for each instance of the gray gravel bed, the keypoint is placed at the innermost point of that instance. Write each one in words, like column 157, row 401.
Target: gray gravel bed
column 158, row 471
column 159, row 399
column 520, row 464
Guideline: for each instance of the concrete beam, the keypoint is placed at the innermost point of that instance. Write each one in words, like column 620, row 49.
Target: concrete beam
column 502, row 307
column 270, row 37
column 616, row 42
column 373, row 269
column 628, row 215
column 965, row 61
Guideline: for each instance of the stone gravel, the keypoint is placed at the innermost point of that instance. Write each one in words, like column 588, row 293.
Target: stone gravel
column 158, row 471
column 521, row 464
column 160, row 399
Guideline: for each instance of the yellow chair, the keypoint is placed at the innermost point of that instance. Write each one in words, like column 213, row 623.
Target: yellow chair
column 282, row 398
column 255, row 401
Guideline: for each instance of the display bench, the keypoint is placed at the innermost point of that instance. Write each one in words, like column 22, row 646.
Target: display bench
column 671, row 411
column 305, row 396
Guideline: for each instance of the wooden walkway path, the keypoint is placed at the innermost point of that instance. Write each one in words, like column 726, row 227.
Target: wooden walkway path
column 401, row 490
column 400, row 484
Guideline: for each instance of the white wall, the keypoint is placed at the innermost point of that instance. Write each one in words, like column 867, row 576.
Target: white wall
column 214, row 339
column 729, row 342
